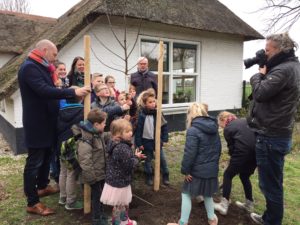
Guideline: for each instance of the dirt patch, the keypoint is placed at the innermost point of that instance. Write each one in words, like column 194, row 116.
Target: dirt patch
column 167, row 206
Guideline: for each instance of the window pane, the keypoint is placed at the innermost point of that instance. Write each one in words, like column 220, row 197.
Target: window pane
column 165, row 93
column 184, row 58
column 184, row 89
column 150, row 50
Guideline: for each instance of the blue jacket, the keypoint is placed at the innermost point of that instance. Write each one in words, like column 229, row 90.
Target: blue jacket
column 139, row 140
column 120, row 163
column 69, row 115
column 40, row 104
column 202, row 149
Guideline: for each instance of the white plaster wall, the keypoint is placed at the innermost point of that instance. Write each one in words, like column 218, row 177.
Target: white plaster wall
column 5, row 57
column 220, row 57
column 17, row 109
column 9, row 111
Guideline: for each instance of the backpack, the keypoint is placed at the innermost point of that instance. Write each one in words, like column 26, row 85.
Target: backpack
column 69, row 152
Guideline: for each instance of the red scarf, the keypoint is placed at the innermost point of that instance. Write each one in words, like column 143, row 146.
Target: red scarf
column 38, row 56
column 229, row 119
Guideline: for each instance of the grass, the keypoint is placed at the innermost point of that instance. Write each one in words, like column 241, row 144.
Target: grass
column 12, row 200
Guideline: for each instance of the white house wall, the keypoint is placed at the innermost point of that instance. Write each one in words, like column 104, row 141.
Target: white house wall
column 220, row 57
column 5, row 57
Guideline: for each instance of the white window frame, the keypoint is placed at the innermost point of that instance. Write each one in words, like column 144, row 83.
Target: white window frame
column 179, row 107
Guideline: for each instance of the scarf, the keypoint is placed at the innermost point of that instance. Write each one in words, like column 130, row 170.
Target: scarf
column 38, row 56
column 279, row 58
column 229, row 119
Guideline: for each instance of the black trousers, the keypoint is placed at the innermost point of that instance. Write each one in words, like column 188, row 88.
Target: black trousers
column 97, row 206
column 36, row 173
column 231, row 171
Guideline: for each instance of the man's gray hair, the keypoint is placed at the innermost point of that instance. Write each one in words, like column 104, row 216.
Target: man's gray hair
column 283, row 41
column 142, row 58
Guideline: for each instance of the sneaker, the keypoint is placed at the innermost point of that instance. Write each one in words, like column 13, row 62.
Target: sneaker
column 248, row 205
column 74, row 206
column 257, row 218
column 149, row 180
column 222, row 207
column 62, row 200
column 214, row 221
column 166, row 180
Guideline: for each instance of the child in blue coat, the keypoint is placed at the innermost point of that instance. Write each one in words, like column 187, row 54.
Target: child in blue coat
column 145, row 135
column 200, row 163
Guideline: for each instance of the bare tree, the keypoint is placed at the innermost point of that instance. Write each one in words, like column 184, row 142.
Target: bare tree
column 282, row 14
column 127, row 48
column 15, row 5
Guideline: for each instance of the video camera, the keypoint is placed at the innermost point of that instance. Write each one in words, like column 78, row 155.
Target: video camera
column 260, row 59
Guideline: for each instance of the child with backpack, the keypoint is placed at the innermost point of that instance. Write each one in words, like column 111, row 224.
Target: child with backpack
column 200, row 163
column 92, row 158
column 120, row 164
column 70, row 113
column 145, row 135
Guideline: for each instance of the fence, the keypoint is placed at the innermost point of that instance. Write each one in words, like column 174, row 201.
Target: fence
column 246, row 93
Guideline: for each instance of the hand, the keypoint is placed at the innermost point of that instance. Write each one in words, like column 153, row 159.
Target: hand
column 139, row 154
column 263, row 70
column 188, row 178
column 125, row 107
column 83, row 91
column 141, row 147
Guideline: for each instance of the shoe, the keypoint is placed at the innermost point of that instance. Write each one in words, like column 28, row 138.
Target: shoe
column 74, row 206
column 199, row 199
column 62, row 200
column 166, row 180
column 40, row 209
column 131, row 222
column 248, row 205
column 213, row 221
column 257, row 218
column 222, row 207
column 49, row 190
column 149, row 180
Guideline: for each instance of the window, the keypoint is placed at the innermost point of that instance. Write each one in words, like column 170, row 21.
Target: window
column 180, row 69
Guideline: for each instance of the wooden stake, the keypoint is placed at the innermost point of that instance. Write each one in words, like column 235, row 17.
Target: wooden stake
column 158, row 116
column 87, row 108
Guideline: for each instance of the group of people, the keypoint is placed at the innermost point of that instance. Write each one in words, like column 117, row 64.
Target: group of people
column 105, row 139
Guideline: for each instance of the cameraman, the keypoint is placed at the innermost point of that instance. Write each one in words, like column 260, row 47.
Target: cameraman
column 275, row 92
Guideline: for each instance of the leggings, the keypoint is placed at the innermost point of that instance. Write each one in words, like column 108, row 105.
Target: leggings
column 229, row 174
column 186, row 207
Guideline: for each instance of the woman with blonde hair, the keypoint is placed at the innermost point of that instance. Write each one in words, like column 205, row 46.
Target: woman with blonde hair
column 200, row 163
column 241, row 146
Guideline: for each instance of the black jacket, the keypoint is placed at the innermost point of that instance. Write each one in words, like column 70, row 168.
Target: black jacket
column 275, row 96
column 202, row 149
column 120, row 163
column 143, row 81
column 69, row 115
column 241, row 143
column 40, row 104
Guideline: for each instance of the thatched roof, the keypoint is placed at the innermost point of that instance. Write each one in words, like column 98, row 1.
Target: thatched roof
column 206, row 15
column 18, row 30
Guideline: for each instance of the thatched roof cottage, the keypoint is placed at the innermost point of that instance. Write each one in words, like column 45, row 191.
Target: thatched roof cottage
column 203, row 43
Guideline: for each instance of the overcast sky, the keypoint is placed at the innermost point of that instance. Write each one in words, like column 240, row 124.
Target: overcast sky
column 243, row 8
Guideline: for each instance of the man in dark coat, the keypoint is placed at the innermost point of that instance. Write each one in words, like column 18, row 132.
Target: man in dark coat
column 143, row 79
column 40, row 111
column 275, row 91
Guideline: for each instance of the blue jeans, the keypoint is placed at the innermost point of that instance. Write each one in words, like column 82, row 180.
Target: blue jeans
column 36, row 173
column 149, row 147
column 270, row 152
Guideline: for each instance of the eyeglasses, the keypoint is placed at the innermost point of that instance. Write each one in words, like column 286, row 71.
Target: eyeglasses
column 112, row 82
